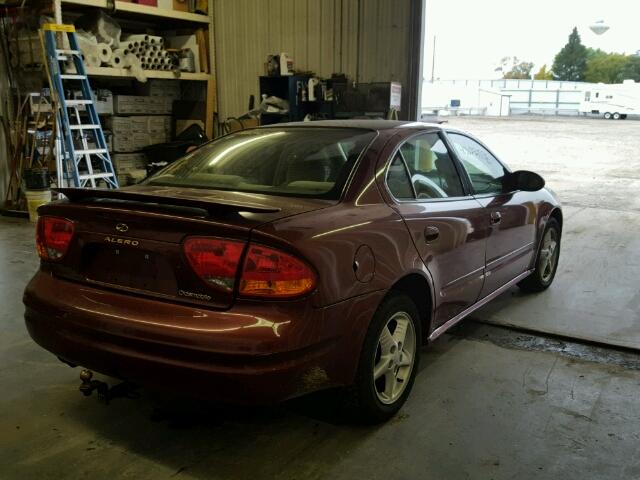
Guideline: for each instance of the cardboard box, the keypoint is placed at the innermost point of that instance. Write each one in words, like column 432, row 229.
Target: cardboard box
column 159, row 124
column 128, row 104
column 127, row 125
column 103, row 101
column 130, row 142
column 160, row 88
column 140, row 124
column 160, row 105
column 200, row 6
column 141, row 105
column 181, row 5
column 108, row 137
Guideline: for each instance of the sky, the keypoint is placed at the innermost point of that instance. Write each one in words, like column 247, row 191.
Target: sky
column 473, row 35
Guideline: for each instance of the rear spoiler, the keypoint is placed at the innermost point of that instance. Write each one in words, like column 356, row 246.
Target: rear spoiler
column 212, row 206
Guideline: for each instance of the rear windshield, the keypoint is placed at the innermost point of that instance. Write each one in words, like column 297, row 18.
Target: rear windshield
column 304, row 162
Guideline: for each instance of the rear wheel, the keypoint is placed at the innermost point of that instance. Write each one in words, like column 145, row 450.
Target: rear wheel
column 546, row 261
column 388, row 361
column 607, row 115
column 617, row 116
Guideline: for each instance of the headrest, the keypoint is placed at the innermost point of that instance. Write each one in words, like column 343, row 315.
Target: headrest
column 426, row 158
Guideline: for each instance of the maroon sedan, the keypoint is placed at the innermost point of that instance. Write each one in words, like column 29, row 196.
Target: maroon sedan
column 282, row 260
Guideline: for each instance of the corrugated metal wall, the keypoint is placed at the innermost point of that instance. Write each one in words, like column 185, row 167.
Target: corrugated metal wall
column 366, row 39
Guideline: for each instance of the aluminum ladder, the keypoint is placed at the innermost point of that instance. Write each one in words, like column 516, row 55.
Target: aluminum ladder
column 77, row 163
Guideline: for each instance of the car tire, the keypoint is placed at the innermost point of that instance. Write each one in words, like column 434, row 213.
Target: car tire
column 372, row 400
column 607, row 116
column 617, row 116
column 546, row 263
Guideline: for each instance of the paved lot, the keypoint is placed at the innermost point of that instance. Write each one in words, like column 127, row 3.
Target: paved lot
column 594, row 166
column 589, row 162
column 488, row 402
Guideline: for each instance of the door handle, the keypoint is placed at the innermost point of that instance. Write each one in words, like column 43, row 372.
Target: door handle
column 431, row 233
column 495, row 217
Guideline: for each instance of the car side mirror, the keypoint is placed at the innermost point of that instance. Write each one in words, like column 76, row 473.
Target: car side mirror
column 523, row 180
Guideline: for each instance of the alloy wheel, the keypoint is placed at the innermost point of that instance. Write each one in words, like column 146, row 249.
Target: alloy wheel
column 394, row 358
column 548, row 255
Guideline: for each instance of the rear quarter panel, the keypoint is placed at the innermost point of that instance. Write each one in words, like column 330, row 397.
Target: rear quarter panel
column 331, row 238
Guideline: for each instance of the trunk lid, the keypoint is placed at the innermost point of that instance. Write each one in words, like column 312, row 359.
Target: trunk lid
column 131, row 239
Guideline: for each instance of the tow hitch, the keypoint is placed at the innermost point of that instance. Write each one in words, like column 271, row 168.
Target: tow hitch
column 105, row 393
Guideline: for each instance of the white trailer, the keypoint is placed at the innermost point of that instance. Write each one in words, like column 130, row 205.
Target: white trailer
column 612, row 101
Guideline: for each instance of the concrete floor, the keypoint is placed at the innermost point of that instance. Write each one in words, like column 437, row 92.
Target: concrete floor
column 594, row 166
column 488, row 402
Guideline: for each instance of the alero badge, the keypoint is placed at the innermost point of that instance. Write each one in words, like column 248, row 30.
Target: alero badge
column 121, row 241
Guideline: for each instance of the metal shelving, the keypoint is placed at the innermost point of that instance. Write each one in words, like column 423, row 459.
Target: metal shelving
column 137, row 9
column 150, row 14
column 126, row 73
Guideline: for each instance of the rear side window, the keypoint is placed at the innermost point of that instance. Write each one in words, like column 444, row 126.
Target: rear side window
column 432, row 171
column 423, row 169
column 398, row 179
column 298, row 161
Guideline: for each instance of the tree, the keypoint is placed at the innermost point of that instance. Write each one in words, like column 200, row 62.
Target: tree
column 543, row 73
column 604, row 67
column 594, row 53
column 630, row 71
column 570, row 62
column 516, row 68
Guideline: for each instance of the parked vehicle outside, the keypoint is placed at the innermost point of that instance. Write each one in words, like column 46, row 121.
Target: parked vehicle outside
column 612, row 101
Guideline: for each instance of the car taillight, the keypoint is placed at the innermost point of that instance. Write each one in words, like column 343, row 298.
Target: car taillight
column 270, row 273
column 215, row 260
column 53, row 236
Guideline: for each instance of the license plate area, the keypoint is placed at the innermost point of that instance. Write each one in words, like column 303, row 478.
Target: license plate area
column 130, row 268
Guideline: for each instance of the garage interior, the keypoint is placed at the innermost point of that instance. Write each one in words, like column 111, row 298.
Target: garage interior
column 529, row 386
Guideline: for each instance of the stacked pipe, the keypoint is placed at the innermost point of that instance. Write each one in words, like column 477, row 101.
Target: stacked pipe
column 93, row 52
column 148, row 49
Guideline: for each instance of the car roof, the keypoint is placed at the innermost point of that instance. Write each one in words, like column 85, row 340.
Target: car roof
column 362, row 124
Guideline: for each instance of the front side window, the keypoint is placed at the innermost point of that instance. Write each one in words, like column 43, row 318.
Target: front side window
column 485, row 171
column 305, row 162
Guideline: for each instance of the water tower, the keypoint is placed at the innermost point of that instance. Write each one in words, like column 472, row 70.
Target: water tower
column 599, row 27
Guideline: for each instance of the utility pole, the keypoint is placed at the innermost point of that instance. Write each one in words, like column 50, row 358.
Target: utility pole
column 433, row 60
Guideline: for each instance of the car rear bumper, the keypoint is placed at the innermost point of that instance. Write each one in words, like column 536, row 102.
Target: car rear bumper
column 256, row 352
